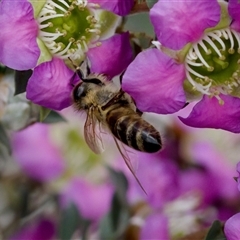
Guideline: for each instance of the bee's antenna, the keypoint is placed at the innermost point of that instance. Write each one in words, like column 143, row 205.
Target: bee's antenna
column 88, row 68
column 121, row 77
column 73, row 76
column 78, row 69
column 72, row 62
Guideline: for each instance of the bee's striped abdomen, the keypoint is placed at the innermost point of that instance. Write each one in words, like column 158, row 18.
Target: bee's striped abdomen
column 132, row 130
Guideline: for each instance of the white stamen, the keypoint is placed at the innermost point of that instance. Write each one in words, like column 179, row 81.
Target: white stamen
column 230, row 37
column 194, row 73
column 79, row 48
column 157, row 44
column 221, row 102
column 197, row 86
column 224, row 34
column 41, row 26
column 50, row 38
column 42, row 19
column 54, row 50
column 48, row 34
column 48, row 12
column 48, row 6
column 97, row 26
column 82, row 3
column 192, row 55
column 65, row 50
column 64, row 3
column 218, row 39
column 77, row 54
column 50, row 45
column 194, row 63
column 93, row 30
column 59, row 7
column 237, row 36
column 200, row 56
column 213, row 45
column 218, row 33
column 203, row 46
column 85, row 46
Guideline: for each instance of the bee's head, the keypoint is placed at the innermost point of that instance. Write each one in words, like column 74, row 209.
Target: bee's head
column 81, row 94
column 79, row 91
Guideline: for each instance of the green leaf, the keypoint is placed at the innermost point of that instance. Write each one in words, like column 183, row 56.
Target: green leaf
column 43, row 113
column 4, row 140
column 108, row 22
column 139, row 23
column 150, row 3
column 113, row 225
column 21, row 79
column 54, row 117
column 4, row 154
column 71, row 221
column 45, row 54
column 216, row 232
column 115, row 222
column 121, row 184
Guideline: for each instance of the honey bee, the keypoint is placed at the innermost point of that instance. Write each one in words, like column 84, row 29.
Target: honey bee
column 110, row 107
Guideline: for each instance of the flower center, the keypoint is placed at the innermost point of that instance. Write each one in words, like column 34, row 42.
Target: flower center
column 213, row 64
column 69, row 27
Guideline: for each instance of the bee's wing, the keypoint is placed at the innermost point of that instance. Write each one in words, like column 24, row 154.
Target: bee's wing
column 92, row 133
column 128, row 162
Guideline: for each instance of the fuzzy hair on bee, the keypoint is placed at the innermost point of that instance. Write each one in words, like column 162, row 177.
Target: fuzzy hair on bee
column 108, row 106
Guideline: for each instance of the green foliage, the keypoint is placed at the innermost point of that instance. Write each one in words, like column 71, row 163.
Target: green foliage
column 49, row 116
column 54, row 117
column 115, row 222
column 150, row 3
column 4, row 140
column 216, row 232
column 139, row 23
column 71, row 221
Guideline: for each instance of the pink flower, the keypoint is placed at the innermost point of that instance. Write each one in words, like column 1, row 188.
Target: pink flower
column 197, row 59
column 36, row 154
column 231, row 227
column 92, row 201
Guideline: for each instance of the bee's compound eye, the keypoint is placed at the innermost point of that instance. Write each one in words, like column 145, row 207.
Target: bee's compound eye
column 79, row 92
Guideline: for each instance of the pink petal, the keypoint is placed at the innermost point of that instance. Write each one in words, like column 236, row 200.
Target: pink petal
column 231, row 227
column 93, row 201
column 44, row 229
column 164, row 175
column 234, row 11
column 218, row 168
column 36, row 154
column 178, row 22
column 50, row 85
column 155, row 227
column 19, row 30
column 208, row 113
column 154, row 80
column 120, row 7
column 113, row 56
